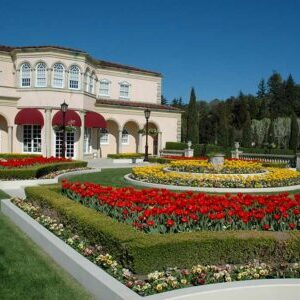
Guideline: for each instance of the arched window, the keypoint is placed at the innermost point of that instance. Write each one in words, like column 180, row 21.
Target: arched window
column 91, row 83
column 58, row 75
column 125, row 137
column 74, row 77
column 25, row 75
column 41, row 75
column 104, row 137
column 104, row 87
column 124, row 90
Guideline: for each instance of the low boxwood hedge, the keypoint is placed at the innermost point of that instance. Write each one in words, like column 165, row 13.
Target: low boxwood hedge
column 17, row 155
column 144, row 253
column 39, row 170
column 125, row 155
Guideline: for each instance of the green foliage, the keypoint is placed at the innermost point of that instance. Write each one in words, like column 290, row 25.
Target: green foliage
column 193, row 119
column 275, row 165
column 17, row 155
column 247, row 137
column 293, row 143
column 159, row 160
column 145, row 253
column 175, row 146
column 39, row 171
column 125, row 155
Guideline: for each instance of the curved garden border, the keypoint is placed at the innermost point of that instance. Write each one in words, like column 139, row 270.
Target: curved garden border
column 212, row 189
column 219, row 174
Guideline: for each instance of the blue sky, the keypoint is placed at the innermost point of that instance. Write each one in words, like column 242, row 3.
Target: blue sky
column 219, row 47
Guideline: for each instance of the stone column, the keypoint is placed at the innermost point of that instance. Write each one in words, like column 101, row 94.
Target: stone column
column 298, row 161
column 81, row 137
column 140, row 143
column 10, row 139
column 159, row 143
column 120, row 142
column 48, row 129
column 49, row 77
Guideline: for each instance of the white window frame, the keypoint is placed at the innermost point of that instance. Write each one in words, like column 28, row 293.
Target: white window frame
column 32, row 140
column 107, row 83
column 73, row 78
column 104, row 133
column 28, row 77
column 70, row 147
column 41, row 77
column 60, row 78
column 125, row 136
column 122, row 85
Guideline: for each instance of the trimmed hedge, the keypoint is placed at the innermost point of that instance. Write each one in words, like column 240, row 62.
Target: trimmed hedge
column 39, row 170
column 205, row 149
column 144, row 253
column 125, row 155
column 17, row 155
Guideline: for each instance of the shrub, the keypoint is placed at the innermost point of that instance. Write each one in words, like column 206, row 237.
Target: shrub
column 39, row 171
column 17, row 155
column 144, row 253
column 126, row 155
column 159, row 160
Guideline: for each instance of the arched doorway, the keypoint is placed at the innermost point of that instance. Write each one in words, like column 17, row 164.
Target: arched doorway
column 130, row 137
column 109, row 139
column 152, row 139
column 3, row 135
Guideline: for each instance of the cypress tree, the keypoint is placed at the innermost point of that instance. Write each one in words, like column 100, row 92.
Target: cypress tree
column 294, row 133
column 246, row 138
column 193, row 119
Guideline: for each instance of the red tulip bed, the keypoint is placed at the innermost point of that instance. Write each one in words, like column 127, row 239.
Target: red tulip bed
column 163, row 211
column 31, row 161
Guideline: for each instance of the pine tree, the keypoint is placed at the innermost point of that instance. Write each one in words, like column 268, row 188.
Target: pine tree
column 223, row 126
column 276, row 94
column 193, row 119
column 294, row 133
column 164, row 101
column 290, row 94
column 261, row 93
column 247, row 138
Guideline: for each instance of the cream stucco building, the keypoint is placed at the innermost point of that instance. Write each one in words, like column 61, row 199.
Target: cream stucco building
column 106, row 104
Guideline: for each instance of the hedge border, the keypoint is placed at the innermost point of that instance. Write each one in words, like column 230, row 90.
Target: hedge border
column 144, row 253
column 39, row 170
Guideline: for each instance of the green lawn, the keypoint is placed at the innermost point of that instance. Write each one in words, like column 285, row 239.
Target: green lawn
column 3, row 195
column 28, row 273
column 112, row 177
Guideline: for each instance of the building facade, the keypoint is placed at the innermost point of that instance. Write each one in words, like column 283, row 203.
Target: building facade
column 106, row 103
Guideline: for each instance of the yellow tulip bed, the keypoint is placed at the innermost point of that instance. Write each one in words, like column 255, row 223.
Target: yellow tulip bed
column 204, row 166
column 275, row 177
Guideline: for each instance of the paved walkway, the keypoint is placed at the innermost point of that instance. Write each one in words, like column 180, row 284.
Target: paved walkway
column 15, row 188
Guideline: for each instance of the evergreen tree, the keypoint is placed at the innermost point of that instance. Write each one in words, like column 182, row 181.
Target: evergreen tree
column 290, row 94
column 223, row 126
column 262, row 89
column 193, row 119
column 294, row 133
column 271, row 133
column 276, row 93
column 164, row 101
column 247, row 138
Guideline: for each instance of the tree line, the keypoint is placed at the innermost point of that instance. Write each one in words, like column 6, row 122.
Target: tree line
column 223, row 122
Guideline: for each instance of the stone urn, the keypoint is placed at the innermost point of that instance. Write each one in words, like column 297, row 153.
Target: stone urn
column 217, row 160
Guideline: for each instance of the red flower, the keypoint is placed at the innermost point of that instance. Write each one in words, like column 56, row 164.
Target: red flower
column 276, row 217
column 292, row 226
column 150, row 223
column 184, row 219
column 170, row 222
column 266, row 227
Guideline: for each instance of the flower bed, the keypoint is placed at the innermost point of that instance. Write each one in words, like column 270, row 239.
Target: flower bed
column 30, row 161
column 31, row 168
column 162, row 211
column 156, row 281
column 275, row 177
column 204, row 166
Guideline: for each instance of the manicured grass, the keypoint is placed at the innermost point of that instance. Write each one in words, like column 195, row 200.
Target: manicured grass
column 3, row 195
column 27, row 273
column 112, row 177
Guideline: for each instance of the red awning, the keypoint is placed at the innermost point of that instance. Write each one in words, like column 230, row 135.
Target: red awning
column 29, row 116
column 94, row 120
column 71, row 119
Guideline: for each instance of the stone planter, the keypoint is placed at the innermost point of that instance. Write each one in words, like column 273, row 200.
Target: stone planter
column 217, row 159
